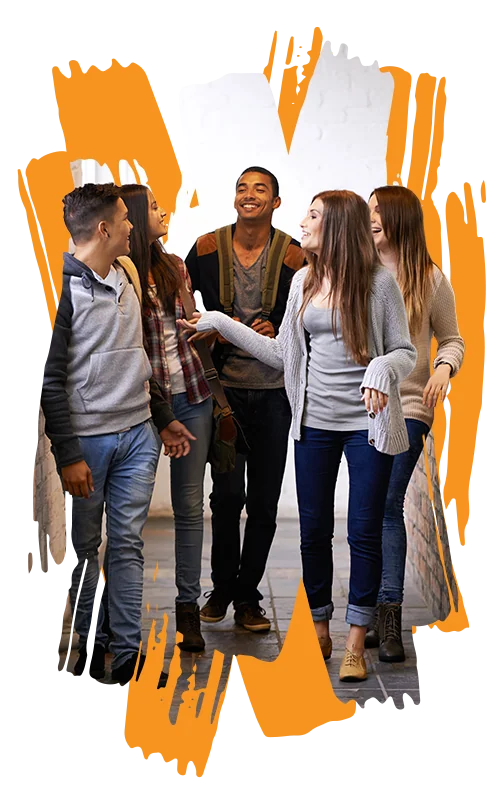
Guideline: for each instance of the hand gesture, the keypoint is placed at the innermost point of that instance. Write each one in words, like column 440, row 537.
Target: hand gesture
column 175, row 438
column 436, row 386
column 264, row 327
column 374, row 401
column 77, row 479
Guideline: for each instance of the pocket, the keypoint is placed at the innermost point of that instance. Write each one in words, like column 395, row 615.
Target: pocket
column 116, row 380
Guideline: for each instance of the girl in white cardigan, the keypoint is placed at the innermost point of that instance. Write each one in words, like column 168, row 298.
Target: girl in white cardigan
column 344, row 347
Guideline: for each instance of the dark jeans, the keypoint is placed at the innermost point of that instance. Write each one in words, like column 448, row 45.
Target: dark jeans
column 265, row 418
column 317, row 461
column 394, row 531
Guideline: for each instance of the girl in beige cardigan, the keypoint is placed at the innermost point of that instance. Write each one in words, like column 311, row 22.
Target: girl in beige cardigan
column 398, row 232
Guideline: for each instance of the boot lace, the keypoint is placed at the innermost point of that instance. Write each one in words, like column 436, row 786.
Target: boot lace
column 351, row 660
column 392, row 625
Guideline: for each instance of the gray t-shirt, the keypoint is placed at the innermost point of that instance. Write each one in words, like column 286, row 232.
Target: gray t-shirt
column 240, row 369
column 333, row 399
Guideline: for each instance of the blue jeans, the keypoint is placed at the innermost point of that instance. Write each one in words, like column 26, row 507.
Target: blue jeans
column 123, row 467
column 394, row 531
column 317, row 461
column 186, row 487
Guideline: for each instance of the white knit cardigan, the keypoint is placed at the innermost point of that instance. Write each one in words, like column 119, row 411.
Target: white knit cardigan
column 393, row 356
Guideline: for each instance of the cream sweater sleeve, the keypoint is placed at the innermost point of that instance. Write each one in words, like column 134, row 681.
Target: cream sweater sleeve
column 443, row 320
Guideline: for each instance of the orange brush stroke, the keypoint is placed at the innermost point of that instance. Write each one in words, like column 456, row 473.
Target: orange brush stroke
column 107, row 115
column 148, row 723
column 291, row 99
column 269, row 69
column 424, row 151
column 194, row 200
column 293, row 694
column 468, row 276
column 398, row 123
column 483, row 192
column 457, row 618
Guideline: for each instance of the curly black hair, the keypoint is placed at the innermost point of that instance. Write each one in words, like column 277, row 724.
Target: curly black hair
column 87, row 205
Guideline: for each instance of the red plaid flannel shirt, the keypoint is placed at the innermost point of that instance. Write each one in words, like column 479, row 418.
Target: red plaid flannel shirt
column 154, row 339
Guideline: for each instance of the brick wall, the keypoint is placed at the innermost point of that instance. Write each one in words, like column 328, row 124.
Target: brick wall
column 423, row 559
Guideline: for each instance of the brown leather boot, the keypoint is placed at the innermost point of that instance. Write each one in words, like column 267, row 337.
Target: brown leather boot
column 187, row 622
column 391, row 644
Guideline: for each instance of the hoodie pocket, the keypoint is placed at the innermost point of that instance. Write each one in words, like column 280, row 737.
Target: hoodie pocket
column 116, row 380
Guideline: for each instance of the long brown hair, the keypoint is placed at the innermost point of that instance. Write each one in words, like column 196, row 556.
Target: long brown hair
column 347, row 259
column 402, row 219
column 149, row 257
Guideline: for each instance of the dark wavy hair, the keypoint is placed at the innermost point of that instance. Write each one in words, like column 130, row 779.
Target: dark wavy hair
column 149, row 258
column 86, row 206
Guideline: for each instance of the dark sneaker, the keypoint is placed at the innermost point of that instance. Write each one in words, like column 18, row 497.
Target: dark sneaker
column 216, row 608
column 391, row 647
column 97, row 667
column 187, row 622
column 251, row 617
column 125, row 672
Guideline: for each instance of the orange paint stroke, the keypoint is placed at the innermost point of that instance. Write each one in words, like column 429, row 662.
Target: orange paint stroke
column 41, row 186
column 155, row 573
column 293, row 694
column 483, row 192
column 269, row 69
column 428, row 151
column 457, row 618
column 293, row 93
column 148, row 724
column 468, row 276
column 194, row 200
column 398, row 123
column 289, row 53
column 107, row 115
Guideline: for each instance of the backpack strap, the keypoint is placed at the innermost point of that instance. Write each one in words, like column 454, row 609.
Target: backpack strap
column 130, row 270
column 277, row 252
column 224, row 240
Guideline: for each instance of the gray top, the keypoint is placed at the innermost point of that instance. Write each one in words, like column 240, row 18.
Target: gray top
column 240, row 369
column 333, row 401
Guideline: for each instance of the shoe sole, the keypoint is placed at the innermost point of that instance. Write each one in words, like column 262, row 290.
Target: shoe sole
column 212, row 619
column 352, row 679
column 254, row 628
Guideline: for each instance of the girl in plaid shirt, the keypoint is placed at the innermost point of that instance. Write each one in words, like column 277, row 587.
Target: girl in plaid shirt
column 178, row 370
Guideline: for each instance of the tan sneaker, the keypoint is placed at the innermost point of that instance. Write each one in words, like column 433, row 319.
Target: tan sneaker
column 353, row 668
column 325, row 643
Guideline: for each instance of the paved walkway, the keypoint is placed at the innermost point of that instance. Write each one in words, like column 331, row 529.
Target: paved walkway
column 279, row 589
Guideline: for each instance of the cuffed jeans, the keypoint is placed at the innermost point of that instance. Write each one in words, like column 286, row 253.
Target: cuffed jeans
column 123, row 467
column 317, row 459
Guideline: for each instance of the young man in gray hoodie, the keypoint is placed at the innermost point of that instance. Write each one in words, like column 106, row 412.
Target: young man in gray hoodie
column 98, row 406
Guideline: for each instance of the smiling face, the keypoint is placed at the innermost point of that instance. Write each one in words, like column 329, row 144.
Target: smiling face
column 157, row 219
column 378, row 233
column 254, row 197
column 311, row 227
